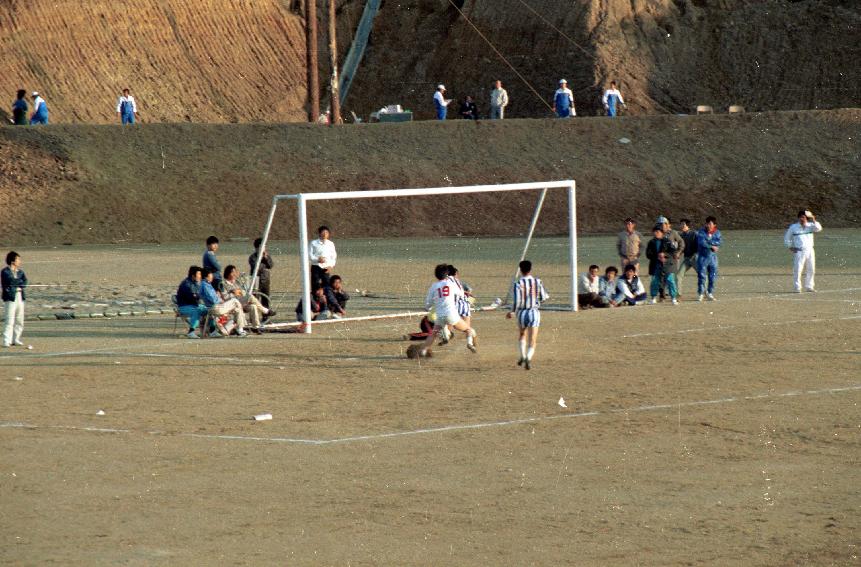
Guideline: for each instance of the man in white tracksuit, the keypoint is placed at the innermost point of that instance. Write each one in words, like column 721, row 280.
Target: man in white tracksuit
column 799, row 240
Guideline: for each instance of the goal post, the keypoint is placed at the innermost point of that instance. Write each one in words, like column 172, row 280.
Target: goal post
column 303, row 199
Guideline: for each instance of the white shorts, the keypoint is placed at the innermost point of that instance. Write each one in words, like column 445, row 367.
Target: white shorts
column 528, row 318
column 448, row 319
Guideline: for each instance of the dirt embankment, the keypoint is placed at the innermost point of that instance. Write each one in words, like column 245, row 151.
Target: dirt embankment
column 667, row 55
column 202, row 61
column 180, row 182
column 217, row 61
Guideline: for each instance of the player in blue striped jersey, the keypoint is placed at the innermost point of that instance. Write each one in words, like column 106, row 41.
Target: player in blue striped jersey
column 528, row 293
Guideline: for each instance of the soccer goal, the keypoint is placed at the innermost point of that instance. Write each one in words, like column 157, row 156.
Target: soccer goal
column 388, row 242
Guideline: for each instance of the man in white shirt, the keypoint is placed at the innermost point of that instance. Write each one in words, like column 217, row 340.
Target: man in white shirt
column 498, row 102
column 322, row 254
column 442, row 297
column 127, row 108
column 799, row 240
column 440, row 102
column 589, row 289
column 40, row 110
column 612, row 98
column 563, row 101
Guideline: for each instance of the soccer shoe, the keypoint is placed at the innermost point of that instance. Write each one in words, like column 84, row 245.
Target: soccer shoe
column 192, row 335
column 700, row 298
column 520, row 361
column 471, row 347
column 711, row 297
column 527, row 364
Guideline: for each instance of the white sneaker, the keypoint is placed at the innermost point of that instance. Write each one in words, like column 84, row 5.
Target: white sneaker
column 700, row 298
column 653, row 301
column 711, row 297
column 242, row 333
column 675, row 301
column 192, row 335
column 18, row 343
column 6, row 345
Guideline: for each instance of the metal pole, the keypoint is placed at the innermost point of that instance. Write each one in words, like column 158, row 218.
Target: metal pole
column 572, row 242
column 305, row 265
column 262, row 246
column 532, row 224
column 313, row 78
column 335, row 117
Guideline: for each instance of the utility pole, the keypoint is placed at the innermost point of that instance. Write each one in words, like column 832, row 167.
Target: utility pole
column 335, row 117
column 313, row 78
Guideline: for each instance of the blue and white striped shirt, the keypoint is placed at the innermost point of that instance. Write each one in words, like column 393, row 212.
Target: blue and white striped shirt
column 528, row 293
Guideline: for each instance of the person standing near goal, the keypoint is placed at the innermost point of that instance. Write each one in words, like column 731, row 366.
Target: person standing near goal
column 323, row 255
column 442, row 296
column 799, row 240
column 528, row 293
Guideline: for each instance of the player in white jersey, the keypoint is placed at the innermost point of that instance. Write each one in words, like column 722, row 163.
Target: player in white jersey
column 528, row 293
column 442, row 296
column 462, row 300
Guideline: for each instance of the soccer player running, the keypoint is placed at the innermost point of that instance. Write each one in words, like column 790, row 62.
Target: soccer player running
column 528, row 293
column 442, row 296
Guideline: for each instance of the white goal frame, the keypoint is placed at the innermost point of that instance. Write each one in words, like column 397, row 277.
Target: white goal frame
column 302, row 200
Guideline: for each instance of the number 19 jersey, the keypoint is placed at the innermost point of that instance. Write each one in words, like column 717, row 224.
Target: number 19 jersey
column 442, row 296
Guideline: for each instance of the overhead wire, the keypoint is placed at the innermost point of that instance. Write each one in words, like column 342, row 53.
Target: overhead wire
column 501, row 56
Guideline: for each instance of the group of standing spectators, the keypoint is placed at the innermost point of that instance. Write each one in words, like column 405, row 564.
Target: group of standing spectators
column 127, row 109
column 562, row 104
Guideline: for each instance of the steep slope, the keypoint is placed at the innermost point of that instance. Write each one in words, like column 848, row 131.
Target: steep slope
column 202, row 61
column 667, row 55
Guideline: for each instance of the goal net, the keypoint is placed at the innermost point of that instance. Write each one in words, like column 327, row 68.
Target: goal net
column 388, row 242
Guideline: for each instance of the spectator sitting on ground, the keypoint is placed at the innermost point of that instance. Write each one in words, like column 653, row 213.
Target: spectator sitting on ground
column 589, row 290
column 319, row 304
column 630, row 288
column 250, row 304
column 607, row 285
column 218, row 308
column 188, row 300
column 210, row 261
column 468, row 109
column 337, row 297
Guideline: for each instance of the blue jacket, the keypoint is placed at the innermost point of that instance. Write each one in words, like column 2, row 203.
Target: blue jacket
column 705, row 241
column 11, row 284
column 188, row 293
column 208, row 295
column 211, row 262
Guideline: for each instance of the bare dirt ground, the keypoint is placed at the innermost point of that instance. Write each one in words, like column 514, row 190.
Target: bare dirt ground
column 176, row 183
column 723, row 433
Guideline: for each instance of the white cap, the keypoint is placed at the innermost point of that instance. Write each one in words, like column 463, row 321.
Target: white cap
column 561, row 81
column 35, row 93
column 440, row 87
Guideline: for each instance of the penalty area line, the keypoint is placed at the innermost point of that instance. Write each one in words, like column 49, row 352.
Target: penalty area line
column 444, row 428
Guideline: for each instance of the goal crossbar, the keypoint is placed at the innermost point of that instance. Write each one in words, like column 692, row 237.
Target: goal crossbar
column 303, row 198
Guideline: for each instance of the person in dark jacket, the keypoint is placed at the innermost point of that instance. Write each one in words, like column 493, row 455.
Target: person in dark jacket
column 188, row 300
column 468, row 109
column 662, row 268
column 264, row 275
column 319, row 305
column 13, row 281
column 20, row 108
column 337, row 297
column 689, row 260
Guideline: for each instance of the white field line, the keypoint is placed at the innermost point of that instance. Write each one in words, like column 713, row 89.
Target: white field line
column 440, row 429
column 726, row 327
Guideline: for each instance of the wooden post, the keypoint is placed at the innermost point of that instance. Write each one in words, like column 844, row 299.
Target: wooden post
column 313, row 78
column 335, row 117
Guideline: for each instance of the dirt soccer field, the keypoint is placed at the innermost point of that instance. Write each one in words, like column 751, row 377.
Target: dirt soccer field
column 725, row 433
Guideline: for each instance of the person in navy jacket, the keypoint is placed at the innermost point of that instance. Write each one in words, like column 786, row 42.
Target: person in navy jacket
column 13, row 281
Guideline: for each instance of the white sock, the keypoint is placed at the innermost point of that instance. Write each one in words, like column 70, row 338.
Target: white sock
column 530, row 353
column 469, row 335
column 522, row 348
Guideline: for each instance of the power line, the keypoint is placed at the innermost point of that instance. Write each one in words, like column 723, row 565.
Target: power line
column 501, row 56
